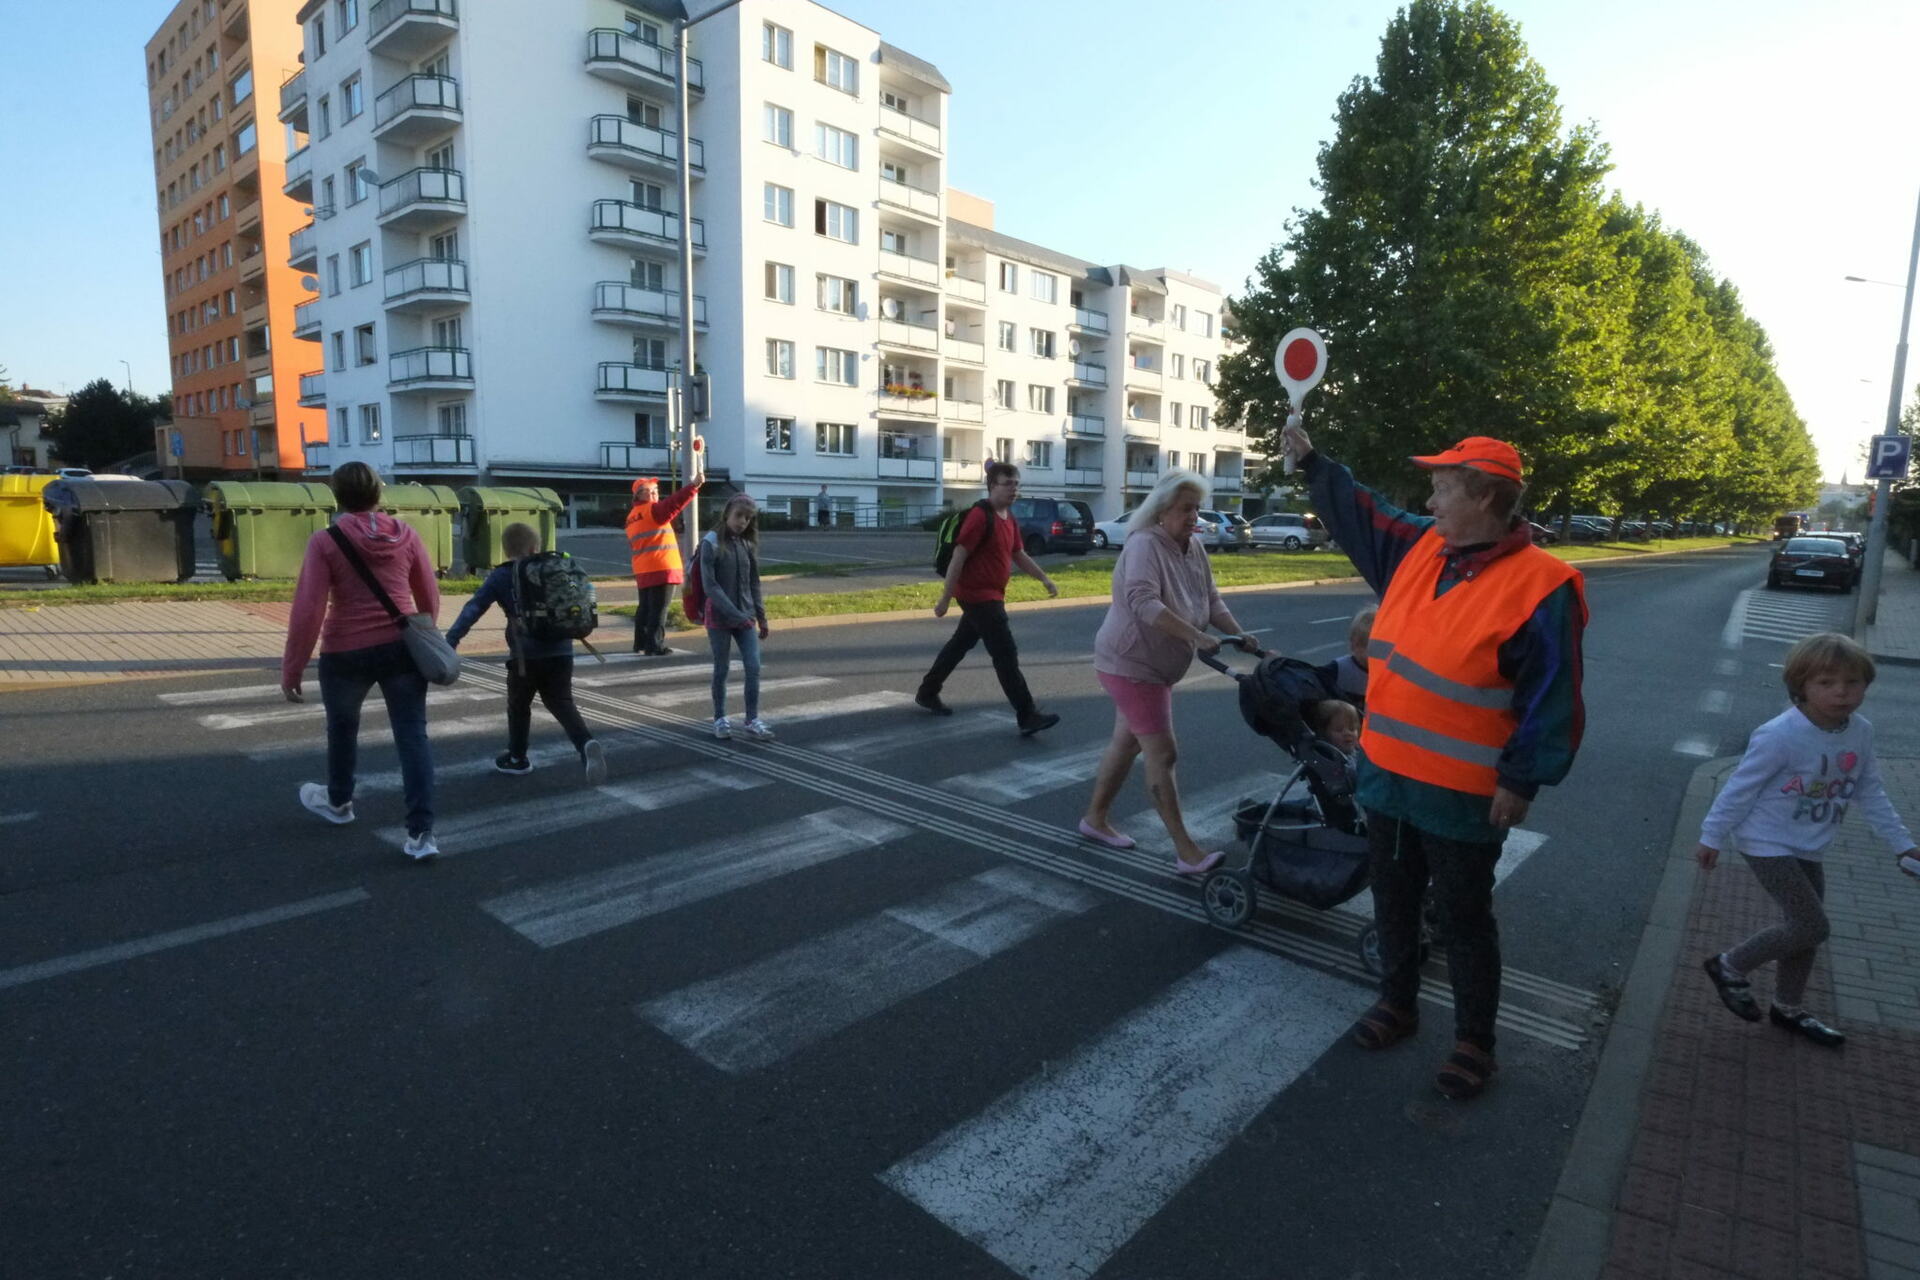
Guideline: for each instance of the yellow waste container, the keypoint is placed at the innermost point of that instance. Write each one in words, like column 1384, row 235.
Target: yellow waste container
column 26, row 526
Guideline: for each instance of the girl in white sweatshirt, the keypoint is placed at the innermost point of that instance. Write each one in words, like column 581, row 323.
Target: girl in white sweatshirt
column 1802, row 771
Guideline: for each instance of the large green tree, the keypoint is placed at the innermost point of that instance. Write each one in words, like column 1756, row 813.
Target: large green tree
column 103, row 424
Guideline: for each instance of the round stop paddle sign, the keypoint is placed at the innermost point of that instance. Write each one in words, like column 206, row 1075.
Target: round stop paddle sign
column 1299, row 361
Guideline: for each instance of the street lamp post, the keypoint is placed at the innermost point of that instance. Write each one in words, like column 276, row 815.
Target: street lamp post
column 129, row 369
column 1867, row 606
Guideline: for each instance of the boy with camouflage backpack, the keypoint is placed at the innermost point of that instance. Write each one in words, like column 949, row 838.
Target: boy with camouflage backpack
column 549, row 603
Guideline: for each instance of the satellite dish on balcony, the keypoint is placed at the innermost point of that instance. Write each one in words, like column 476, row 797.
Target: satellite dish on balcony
column 308, row 210
column 370, row 175
column 890, row 308
column 1073, row 346
column 310, row 284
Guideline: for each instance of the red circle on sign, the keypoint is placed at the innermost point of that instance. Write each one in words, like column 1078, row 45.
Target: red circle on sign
column 1300, row 360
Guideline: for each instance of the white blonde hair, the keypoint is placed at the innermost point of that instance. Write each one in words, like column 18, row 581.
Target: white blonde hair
column 1165, row 493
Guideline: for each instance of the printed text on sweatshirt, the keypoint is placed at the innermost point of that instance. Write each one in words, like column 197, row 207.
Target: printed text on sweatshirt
column 1795, row 784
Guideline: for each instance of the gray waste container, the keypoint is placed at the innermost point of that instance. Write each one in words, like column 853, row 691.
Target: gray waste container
column 123, row 530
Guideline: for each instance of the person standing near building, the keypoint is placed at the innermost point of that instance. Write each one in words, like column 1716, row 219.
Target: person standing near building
column 1473, row 704
column 656, row 552
column 822, row 508
column 985, row 551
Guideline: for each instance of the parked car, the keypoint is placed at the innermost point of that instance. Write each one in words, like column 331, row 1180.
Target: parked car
column 1111, row 533
column 1225, row 531
column 1289, row 531
column 1579, row 530
column 1856, row 544
column 1805, row 562
column 1543, row 536
column 75, row 473
column 1054, row 524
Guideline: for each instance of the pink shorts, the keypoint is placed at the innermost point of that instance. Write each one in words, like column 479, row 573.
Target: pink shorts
column 1146, row 707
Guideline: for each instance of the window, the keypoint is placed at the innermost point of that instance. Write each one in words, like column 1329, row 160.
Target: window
column 1009, row 336
column 360, row 264
column 225, row 209
column 642, row 112
column 342, row 432
column 339, row 350
column 452, row 418
column 779, row 283
column 893, row 101
column 333, row 274
column 353, row 98
column 1042, row 340
column 839, row 367
column 319, row 35
column 836, row 221
column 445, row 247
column 779, row 435
column 1179, row 319
column 1199, row 464
column 642, row 274
column 893, row 242
column 1009, row 278
column 326, row 197
column 836, row 69
column 363, row 352
column 242, row 86
column 892, row 171
column 369, row 424
column 245, row 140
column 1173, row 414
column 1173, row 458
column 650, row 353
column 833, row 437
column 1002, row 450
column 231, row 302
column 1039, row 398
column 642, row 30
column 1203, row 370
column 1176, row 365
column 778, row 125
column 220, row 158
column 648, row 432
column 645, row 194
column 1040, row 454
column 357, row 185
column 835, row 294
column 1201, row 416
column 777, row 204
column 349, row 12
column 1203, row 323
column 776, row 45
column 1003, row 393
column 1043, row 286
column 779, row 358
column 836, row 146
column 323, row 121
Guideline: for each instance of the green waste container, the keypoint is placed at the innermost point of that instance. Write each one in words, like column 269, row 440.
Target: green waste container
column 488, row 511
column 430, row 509
column 26, row 526
column 261, row 528
column 123, row 530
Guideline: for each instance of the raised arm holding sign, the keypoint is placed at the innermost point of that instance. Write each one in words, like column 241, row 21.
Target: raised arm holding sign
column 1299, row 362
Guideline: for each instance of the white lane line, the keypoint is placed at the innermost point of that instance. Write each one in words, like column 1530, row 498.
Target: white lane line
column 769, row 1010
column 1321, row 622
column 918, row 735
column 313, row 710
column 177, row 938
column 853, row 704
column 1208, row 813
column 538, row 819
column 1728, row 666
column 734, row 690
column 1057, row 1175
column 670, row 675
column 207, row 697
column 1024, row 779
column 1696, row 746
column 13, row 819
column 372, row 736
column 581, row 906
column 1716, row 702
column 1735, row 630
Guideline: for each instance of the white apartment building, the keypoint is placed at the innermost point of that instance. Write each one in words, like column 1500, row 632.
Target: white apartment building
column 495, row 243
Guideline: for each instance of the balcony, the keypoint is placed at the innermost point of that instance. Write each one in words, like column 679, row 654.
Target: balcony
column 632, row 62
column 293, row 100
column 1142, row 425
column 306, row 320
column 1084, row 424
column 1088, row 322
column 408, row 28
column 963, row 410
column 910, row 336
column 619, row 141
column 433, row 451
column 253, row 264
column 636, row 226
column 1086, row 477
column 925, row 469
column 1227, row 484
column 313, row 389
column 1146, row 327
column 617, row 302
column 1145, row 379
column 1143, row 479
column 1236, row 428
column 904, row 402
column 966, row 289
column 318, row 457
column 965, row 350
column 912, row 199
column 906, row 267
column 962, row 471
column 417, row 108
column 1088, row 375
column 425, row 282
column 254, row 317
column 630, row 382
column 422, row 196
column 635, row 458
column 430, row 369
column 247, row 216
column 299, row 184
column 261, row 415
column 302, row 253
column 910, row 129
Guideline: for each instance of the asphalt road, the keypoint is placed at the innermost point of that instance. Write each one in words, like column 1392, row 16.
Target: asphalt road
column 855, row 1005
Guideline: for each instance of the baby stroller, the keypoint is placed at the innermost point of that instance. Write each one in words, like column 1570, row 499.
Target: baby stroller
column 1308, row 842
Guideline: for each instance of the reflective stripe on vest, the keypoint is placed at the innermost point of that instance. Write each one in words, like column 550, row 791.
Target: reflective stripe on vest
column 1400, row 664
column 1454, row 748
column 654, row 546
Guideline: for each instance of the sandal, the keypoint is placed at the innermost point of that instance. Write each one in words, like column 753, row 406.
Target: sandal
column 1466, row 1072
column 1735, row 993
column 1383, row 1026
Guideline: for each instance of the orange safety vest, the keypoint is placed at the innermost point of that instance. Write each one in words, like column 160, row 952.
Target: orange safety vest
column 654, row 546
column 1438, row 709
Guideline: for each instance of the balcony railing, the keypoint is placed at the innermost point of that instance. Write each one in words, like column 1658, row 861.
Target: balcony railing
column 906, row 469
column 1089, row 320
column 913, row 406
column 293, row 91
column 1094, row 375
column 429, row 364
column 1142, row 377
column 623, row 218
column 912, row 128
column 299, row 172
column 962, row 470
column 962, row 287
column 426, row 277
column 620, row 139
column 1142, row 479
column 441, row 188
column 433, row 451
column 306, row 317
column 906, row 196
column 618, row 56
column 1086, row 424
column 631, row 381
column 300, row 246
column 965, row 349
column 924, row 270
column 409, row 26
column 313, row 386
column 1146, row 325
column 1227, row 484
column 416, row 93
column 962, row 410
column 1086, row 476
column 630, row 456
column 617, row 300
column 903, row 333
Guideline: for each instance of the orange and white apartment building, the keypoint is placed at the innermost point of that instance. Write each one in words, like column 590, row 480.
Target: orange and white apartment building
column 219, row 165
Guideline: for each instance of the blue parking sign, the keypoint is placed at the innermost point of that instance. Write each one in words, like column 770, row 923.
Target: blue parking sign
column 1887, row 457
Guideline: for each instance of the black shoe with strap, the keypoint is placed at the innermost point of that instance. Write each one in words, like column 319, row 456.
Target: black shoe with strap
column 1735, row 993
column 1807, row 1025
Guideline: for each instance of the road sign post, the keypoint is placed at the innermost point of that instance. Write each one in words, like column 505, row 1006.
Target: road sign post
column 1300, row 361
column 1888, row 457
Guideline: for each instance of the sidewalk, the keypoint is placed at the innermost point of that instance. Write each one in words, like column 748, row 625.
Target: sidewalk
column 1895, row 633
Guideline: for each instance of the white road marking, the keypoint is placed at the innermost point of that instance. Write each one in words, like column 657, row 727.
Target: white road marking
column 1728, row 666
column 1520, row 845
column 1057, row 1175
column 1695, row 746
column 1731, row 634
column 1208, row 813
column 26, row 973
column 917, row 736
column 374, row 706
column 678, row 697
column 1024, row 779
column 1321, row 622
column 853, row 704
column 372, row 736
column 581, row 906
column 653, row 676
column 14, row 819
column 207, row 697
column 1716, row 702
column 769, row 1010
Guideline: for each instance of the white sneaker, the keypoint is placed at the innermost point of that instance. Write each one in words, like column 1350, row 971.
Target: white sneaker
column 313, row 795
column 759, row 730
column 723, row 728
column 421, row 847
column 595, row 757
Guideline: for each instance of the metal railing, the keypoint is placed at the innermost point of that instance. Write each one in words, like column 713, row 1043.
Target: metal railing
column 1094, row 375
column 925, row 270
column 433, row 451
column 388, row 12
column 620, row 298
column 416, row 92
column 906, row 469
column 416, row 186
column 912, row 128
column 644, row 140
column 306, row 315
column 1227, row 484
column 293, row 89
column 299, row 167
column 300, row 245
column 604, row 44
column 430, row 364
column 1145, row 324
column 624, row 455
column 616, row 378
column 623, row 216
column 313, row 386
column 1087, row 424
column 1091, row 321
column 1142, row 479
column 1085, row 476
column 425, row 275
column 1138, row 376
column 910, row 405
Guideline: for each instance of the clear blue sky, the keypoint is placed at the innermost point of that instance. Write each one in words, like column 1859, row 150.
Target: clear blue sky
column 1778, row 136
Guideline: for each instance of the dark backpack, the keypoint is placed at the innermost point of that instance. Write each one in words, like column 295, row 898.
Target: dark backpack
column 949, row 534
column 693, row 592
column 554, row 598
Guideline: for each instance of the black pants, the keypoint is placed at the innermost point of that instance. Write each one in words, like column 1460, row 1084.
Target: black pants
column 650, row 619
column 1403, row 859
column 984, row 622
column 552, row 679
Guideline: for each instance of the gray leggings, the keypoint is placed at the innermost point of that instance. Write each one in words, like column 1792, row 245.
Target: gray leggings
column 1797, row 885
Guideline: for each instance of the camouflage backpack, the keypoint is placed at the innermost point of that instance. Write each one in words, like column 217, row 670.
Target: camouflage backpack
column 554, row 598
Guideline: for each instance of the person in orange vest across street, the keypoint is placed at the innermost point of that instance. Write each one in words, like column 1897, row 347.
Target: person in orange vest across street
column 656, row 551
column 1473, row 704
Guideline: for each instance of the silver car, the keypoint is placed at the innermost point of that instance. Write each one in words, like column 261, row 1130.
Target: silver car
column 1289, row 531
column 1224, row 531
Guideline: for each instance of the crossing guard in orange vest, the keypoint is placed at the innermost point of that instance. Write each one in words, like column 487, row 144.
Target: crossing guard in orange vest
column 656, row 552
column 1473, row 704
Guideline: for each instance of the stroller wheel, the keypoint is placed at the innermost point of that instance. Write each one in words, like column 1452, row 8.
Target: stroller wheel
column 1229, row 898
column 1368, row 945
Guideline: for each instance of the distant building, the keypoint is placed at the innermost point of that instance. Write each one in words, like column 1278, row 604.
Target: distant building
column 23, row 420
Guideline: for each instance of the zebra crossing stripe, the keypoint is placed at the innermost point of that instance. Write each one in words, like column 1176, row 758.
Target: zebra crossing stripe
column 916, row 736
column 314, row 711
column 209, row 697
column 1054, row 1177
column 679, row 697
column 668, row 675
column 1024, row 779
column 581, row 906
column 769, row 1010
column 828, row 708
column 437, row 730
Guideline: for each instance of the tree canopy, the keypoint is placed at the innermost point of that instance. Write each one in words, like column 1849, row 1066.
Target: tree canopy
column 102, row 424
column 1472, row 276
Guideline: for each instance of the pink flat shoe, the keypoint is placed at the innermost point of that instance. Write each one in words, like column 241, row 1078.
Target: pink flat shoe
column 1201, row 867
column 1115, row 841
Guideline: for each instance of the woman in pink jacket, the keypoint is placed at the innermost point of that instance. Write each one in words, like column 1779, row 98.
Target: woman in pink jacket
column 360, row 646
column 1163, row 601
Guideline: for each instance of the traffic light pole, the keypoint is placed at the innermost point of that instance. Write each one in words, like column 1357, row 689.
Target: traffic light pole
column 1867, row 607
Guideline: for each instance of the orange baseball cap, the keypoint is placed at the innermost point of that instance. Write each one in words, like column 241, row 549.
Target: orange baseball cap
column 1482, row 453
column 645, row 482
